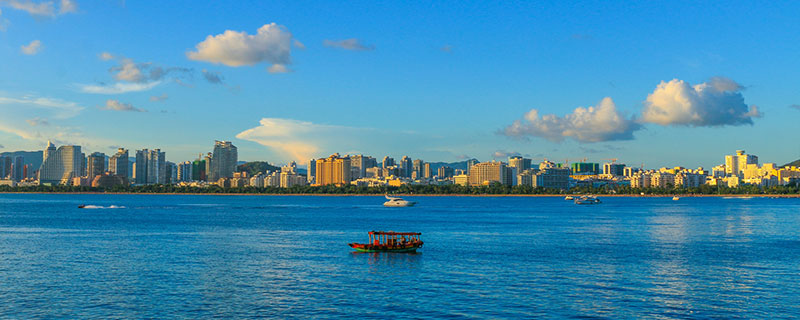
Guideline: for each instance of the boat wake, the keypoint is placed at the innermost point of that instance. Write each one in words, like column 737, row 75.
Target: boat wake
column 102, row 207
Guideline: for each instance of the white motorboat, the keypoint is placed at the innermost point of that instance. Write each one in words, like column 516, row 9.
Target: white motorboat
column 398, row 202
column 587, row 200
column 569, row 198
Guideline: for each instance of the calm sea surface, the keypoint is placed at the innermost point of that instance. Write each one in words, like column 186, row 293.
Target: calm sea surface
column 168, row 256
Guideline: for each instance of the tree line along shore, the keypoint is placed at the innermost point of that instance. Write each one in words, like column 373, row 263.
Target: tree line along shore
column 494, row 189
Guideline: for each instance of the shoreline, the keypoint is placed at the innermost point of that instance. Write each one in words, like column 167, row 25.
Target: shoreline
column 431, row 195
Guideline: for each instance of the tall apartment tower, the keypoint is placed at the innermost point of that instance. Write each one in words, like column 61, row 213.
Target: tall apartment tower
column 223, row 163
column 735, row 164
column 388, row 162
column 60, row 165
column 18, row 168
column 118, row 163
column 95, row 165
column 489, row 172
column 520, row 163
column 406, row 166
column 151, row 167
column 332, row 170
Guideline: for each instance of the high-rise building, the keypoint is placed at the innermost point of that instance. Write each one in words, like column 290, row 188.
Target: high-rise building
column 388, row 162
column 445, row 172
column 199, row 169
column 224, row 160
column 489, row 172
column 95, row 165
column 140, row 167
column 614, row 169
column 185, row 171
column 333, row 170
column 151, row 167
column 60, row 165
column 426, row 170
column 118, row 163
column 406, row 166
column 736, row 164
column 520, row 163
column 18, row 168
column 416, row 172
column 312, row 171
column 5, row 167
column 585, row 168
column 358, row 166
column 470, row 163
column 171, row 175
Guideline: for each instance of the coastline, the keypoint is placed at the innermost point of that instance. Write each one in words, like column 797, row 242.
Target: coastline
column 431, row 195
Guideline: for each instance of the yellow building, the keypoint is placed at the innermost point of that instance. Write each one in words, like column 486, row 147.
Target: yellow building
column 485, row 173
column 332, row 170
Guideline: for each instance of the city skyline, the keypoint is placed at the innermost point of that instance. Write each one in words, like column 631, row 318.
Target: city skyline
column 662, row 84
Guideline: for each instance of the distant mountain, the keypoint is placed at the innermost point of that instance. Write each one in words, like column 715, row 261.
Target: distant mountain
column 255, row 167
column 455, row 165
column 795, row 163
column 30, row 157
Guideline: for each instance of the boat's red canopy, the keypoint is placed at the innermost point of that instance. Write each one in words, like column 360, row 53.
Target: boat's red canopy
column 392, row 233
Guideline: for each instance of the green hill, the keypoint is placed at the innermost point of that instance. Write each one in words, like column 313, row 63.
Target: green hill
column 256, row 166
column 795, row 163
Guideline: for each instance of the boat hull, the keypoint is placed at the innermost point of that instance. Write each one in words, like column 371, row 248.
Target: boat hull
column 361, row 247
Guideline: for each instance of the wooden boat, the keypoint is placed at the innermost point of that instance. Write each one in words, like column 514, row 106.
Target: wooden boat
column 389, row 241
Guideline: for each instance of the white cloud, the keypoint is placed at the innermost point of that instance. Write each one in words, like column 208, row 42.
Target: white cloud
column 37, row 122
column 32, row 48
column 593, row 124
column 299, row 45
column 115, row 105
column 348, row 44
column 159, row 98
column 718, row 102
column 3, row 22
column 271, row 43
column 128, row 71
column 278, row 68
column 63, row 109
column 105, row 56
column 42, row 9
column 212, row 77
column 25, row 116
column 118, row 88
column 68, row 6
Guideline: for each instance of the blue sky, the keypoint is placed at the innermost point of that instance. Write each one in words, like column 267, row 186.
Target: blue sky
column 438, row 81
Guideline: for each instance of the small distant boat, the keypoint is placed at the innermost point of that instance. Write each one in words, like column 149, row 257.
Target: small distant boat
column 398, row 202
column 389, row 241
column 569, row 198
column 587, row 200
column 676, row 198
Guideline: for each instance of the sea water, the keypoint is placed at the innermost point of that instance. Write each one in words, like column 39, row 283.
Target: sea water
column 204, row 256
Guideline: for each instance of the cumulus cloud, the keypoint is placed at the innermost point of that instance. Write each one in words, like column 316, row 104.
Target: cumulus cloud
column 300, row 141
column 68, row 6
column 718, row 102
column 593, row 124
column 117, row 88
column 505, row 154
column 272, row 43
column 32, row 48
column 159, row 98
column 115, row 105
column 278, row 68
column 37, row 122
column 212, row 77
column 348, row 44
column 41, row 9
column 130, row 71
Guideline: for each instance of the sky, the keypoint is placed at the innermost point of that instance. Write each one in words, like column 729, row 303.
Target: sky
column 658, row 83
